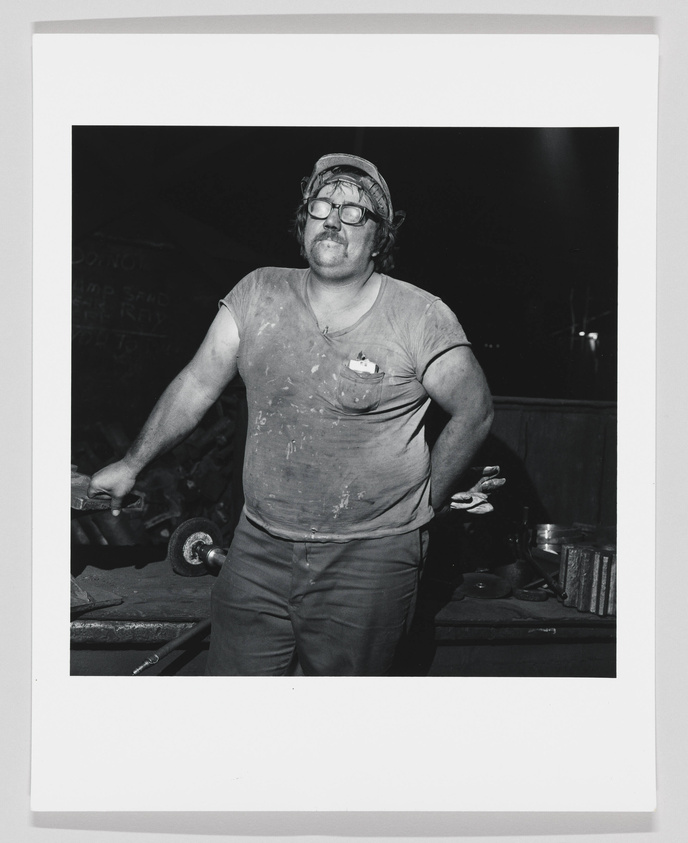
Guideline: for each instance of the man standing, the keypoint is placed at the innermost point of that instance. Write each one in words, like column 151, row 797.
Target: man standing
column 340, row 362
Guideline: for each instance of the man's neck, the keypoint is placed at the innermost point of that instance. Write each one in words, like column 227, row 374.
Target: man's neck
column 332, row 290
column 338, row 305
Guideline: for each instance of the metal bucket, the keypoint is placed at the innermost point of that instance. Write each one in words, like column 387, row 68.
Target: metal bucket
column 550, row 537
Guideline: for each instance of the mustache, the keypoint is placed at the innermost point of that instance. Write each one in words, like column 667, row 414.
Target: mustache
column 329, row 235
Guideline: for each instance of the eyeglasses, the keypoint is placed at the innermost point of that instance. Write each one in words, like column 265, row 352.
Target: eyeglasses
column 349, row 212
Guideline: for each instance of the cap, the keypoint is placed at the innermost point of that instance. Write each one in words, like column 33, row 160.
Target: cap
column 329, row 168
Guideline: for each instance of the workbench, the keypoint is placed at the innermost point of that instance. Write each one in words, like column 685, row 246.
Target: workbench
column 469, row 636
column 154, row 606
column 450, row 636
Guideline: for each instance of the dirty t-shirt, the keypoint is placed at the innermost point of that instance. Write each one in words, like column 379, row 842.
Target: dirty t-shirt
column 333, row 454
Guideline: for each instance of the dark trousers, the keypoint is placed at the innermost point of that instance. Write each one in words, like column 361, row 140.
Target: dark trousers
column 316, row 608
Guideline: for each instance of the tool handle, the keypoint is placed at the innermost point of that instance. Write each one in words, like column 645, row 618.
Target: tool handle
column 201, row 627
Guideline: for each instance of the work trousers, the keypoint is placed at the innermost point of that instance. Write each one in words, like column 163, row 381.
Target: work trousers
column 313, row 608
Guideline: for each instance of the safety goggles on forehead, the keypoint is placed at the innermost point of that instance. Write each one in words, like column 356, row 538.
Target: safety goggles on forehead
column 349, row 212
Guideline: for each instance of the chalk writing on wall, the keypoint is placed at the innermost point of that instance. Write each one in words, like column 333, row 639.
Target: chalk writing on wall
column 125, row 309
column 126, row 260
column 128, row 336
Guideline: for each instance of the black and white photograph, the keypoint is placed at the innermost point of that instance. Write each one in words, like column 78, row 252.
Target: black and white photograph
column 496, row 354
column 354, row 387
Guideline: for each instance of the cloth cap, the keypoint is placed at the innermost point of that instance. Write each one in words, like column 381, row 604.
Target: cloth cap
column 337, row 166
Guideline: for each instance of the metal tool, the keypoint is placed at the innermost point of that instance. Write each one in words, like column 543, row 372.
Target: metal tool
column 82, row 503
column 175, row 644
column 539, row 559
column 194, row 548
column 536, row 557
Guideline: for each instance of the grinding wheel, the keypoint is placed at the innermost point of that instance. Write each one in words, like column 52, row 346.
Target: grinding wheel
column 182, row 552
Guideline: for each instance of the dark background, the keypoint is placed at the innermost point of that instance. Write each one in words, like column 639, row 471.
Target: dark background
column 516, row 229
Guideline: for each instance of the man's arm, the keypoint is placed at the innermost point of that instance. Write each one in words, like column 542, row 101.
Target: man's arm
column 179, row 410
column 457, row 383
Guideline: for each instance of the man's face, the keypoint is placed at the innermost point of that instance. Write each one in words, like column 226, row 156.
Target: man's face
column 336, row 250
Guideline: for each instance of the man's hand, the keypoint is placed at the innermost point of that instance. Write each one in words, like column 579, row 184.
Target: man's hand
column 475, row 500
column 180, row 408
column 116, row 481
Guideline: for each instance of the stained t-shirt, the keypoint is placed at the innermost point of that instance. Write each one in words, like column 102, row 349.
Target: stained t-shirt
column 333, row 454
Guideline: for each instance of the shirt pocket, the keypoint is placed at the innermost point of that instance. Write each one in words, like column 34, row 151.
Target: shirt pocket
column 359, row 392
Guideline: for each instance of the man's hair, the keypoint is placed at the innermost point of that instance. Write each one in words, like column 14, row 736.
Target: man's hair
column 383, row 244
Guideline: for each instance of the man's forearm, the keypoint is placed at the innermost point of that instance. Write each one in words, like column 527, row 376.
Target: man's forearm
column 178, row 411
column 453, row 453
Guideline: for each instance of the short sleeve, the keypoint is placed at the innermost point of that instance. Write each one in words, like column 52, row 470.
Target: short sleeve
column 438, row 331
column 238, row 299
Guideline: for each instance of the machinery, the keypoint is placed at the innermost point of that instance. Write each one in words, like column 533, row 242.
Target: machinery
column 193, row 551
column 194, row 548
